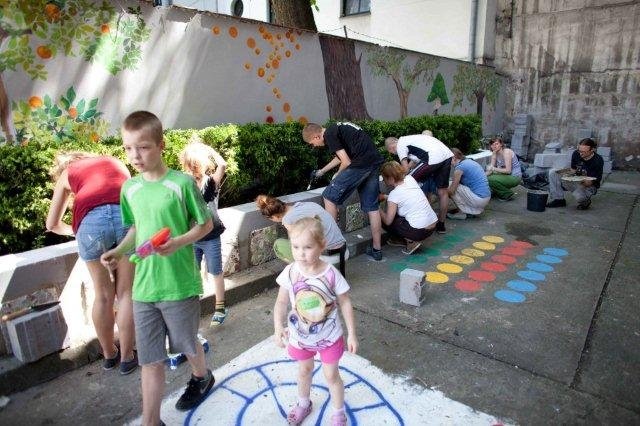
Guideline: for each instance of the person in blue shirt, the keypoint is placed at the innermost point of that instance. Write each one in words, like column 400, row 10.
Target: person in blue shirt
column 469, row 189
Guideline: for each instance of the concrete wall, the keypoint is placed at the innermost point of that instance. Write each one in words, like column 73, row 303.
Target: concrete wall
column 574, row 65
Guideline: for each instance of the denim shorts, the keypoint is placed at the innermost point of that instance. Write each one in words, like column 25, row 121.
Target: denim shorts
column 212, row 255
column 100, row 230
column 364, row 180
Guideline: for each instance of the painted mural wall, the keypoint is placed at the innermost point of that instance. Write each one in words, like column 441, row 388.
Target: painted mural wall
column 76, row 68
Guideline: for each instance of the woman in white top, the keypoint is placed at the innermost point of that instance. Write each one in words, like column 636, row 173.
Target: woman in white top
column 408, row 214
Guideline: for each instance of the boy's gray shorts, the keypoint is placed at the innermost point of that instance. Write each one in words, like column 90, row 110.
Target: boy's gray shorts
column 155, row 320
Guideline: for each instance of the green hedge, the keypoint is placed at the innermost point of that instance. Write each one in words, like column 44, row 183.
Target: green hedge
column 262, row 158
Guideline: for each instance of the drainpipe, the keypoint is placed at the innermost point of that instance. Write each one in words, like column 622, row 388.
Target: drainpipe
column 472, row 33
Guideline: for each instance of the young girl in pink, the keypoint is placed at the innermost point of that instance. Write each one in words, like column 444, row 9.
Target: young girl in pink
column 315, row 290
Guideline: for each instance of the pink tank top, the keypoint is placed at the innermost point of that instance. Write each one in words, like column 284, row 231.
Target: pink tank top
column 95, row 182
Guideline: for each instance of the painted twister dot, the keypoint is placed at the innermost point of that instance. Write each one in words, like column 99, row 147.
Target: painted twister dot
column 483, row 276
column 539, row 267
column 510, row 296
column 493, row 239
column 468, row 286
column 513, row 251
column 493, row 267
column 436, row 277
column 501, row 258
column 531, row 275
column 521, row 244
column 555, row 251
column 463, row 260
column 449, row 268
column 548, row 259
column 453, row 238
column 472, row 252
column 432, row 252
column 520, row 285
column 399, row 267
column 483, row 245
column 419, row 258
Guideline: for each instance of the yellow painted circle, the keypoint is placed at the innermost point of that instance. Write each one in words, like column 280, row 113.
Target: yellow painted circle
column 449, row 268
column 493, row 239
column 463, row 260
column 482, row 245
column 472, row 252
column 436, row 277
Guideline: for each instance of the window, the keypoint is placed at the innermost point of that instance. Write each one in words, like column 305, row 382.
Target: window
column 353, row 7
column 237, row 7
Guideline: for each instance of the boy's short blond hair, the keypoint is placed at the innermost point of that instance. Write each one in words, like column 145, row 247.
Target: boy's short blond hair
column 311, row 130
column 145, row 121
column 390, row 141
column 427, row 132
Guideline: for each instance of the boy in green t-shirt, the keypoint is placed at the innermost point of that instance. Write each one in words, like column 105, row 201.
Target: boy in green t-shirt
column 167, row 285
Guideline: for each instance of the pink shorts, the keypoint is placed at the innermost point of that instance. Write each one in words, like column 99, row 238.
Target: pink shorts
column 330, row 355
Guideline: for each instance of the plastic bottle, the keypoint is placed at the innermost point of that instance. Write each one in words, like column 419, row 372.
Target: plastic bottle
column 149, row 247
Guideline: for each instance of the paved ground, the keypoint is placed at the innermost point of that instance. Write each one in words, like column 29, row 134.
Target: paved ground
column 563, row 347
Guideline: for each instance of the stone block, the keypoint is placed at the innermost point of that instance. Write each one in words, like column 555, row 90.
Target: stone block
column 412, row 287
column 38, row 334
column 605, row 152
column 608, row 166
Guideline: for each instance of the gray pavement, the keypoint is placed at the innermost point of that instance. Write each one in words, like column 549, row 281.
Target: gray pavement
column 568, row 354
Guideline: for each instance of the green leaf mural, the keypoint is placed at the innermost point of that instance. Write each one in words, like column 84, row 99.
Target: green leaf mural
column 475, row 83
column 40, row 30
column 438, row 93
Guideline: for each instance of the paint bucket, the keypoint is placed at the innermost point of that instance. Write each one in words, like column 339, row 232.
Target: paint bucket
column 537, row 200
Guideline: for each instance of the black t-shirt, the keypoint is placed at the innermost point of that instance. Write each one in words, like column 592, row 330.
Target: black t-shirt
column 357, row 144
column 210, row 195
column 591, row 167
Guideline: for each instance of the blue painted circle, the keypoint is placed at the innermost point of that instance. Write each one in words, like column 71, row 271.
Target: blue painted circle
column 531, row 275
column 548, row 259
column 520, row 285
column 553, row 251
column 539, row 267
column 509, row 296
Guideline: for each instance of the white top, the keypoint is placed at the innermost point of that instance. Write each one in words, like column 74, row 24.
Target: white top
column 413, row 204
column 411, row 146
column 313, row 321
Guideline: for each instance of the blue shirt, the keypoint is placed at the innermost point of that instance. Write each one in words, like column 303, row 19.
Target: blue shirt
column 474, row 178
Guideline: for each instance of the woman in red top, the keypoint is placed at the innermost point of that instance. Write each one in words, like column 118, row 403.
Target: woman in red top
column 95, row 183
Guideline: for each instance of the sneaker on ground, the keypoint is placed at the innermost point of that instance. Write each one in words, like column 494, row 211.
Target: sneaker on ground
column 127, row 367
column 374, row 253
column 397, row 242
column 440, row 228
column 457, row 216
column 218, row 317
column 411, row 247
column 110, row 363
column 560, row 202
column 196, row 391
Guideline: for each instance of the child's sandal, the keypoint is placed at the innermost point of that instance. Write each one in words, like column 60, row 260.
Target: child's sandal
column 339, row 419
column 298, row 414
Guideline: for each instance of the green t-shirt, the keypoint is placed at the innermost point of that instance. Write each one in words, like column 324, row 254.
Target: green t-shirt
column 175, row 202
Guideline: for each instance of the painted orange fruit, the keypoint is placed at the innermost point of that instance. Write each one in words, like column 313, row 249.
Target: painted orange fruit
column 260, row 72
column 104, row 29
column 287, row 53
column 275, row 64
column 303, row 120
column 44, row 52
column 251, row 43
column 286, row 107
column 233, row 32
column 73, row 112
column 247, row 65
column 35, row 102
column 95, row 137
column 268, row 108
column 260, row 29
column 257, row 51
column 269, row 119
column 215, row 30
column 275, row 90
column 52, row 11
column 297, row 47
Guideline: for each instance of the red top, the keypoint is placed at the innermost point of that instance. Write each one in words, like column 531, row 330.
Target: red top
column 95, row 182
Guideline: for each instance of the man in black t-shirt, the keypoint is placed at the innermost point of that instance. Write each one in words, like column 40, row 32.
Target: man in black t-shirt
column 585, row 162
column 359, row 162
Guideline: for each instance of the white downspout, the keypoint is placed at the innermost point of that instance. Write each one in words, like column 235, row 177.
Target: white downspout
column 472, row 33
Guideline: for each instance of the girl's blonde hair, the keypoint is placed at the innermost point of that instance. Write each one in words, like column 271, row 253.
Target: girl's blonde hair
column 197, row 157
column 308, row 224
column 64, row 158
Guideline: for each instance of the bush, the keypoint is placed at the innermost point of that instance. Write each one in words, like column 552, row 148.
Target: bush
column 261, row 158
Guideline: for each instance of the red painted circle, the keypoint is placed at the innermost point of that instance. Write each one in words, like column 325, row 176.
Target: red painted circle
column 481, row 276
column 501, row 258
column 493, row 267
column 513, row 251
column 521, row 244
column 468, row 286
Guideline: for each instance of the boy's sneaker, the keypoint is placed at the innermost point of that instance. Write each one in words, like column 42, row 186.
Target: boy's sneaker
column 110, row 363
column 374, row 253
column 127, row 367
column 457, row 216
column 440, row 228
column 411, row 247
column 196, row 391
column 218, row 317
column 397, row 242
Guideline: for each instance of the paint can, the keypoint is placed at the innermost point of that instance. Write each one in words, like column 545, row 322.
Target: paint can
column 537, row 200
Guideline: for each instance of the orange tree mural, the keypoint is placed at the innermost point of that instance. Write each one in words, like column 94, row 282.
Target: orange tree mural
column 36, row 31
column 391, row 63
column 475, row 83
